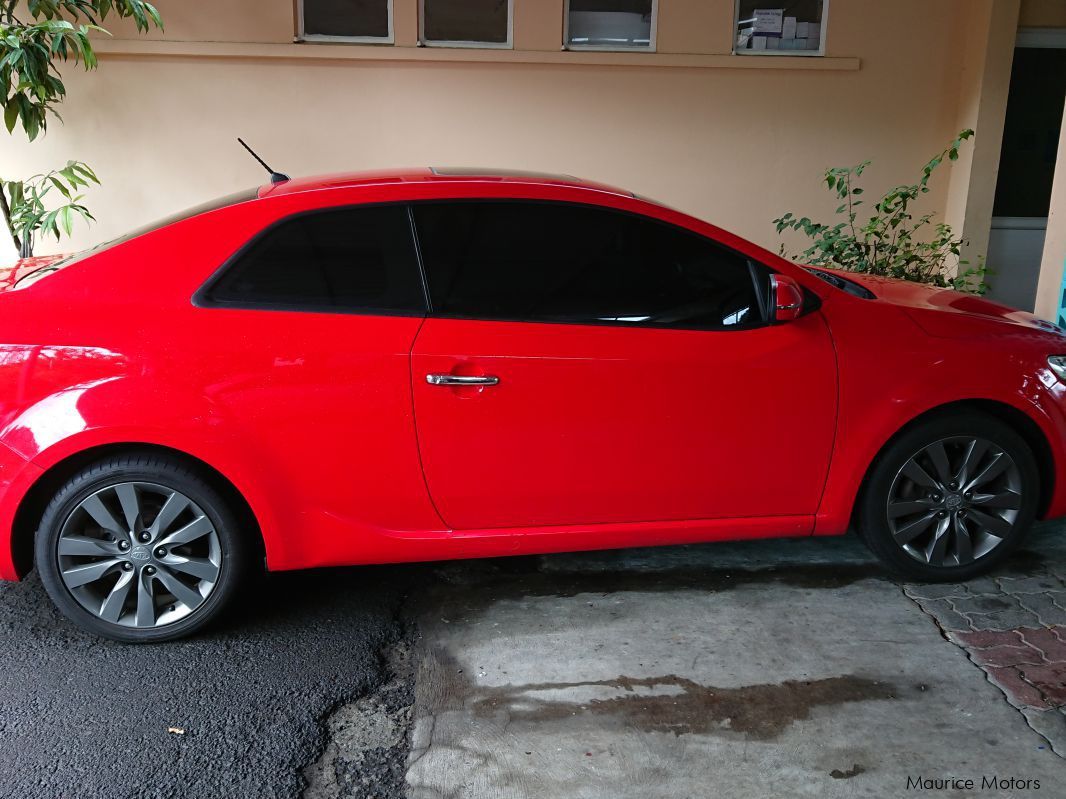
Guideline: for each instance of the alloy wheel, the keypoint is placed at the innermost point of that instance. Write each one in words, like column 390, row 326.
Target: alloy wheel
column 139, row 555
column 954, row 501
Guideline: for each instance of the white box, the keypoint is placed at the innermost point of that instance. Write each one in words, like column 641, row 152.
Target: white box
column 788, row 28
column 758, row 42
column 803, row 30
column 813, row 44
column 773, row 43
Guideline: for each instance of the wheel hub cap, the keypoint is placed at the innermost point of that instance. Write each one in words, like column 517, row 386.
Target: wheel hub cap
column 139, row 555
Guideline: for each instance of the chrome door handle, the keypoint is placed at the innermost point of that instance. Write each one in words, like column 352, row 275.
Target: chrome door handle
column 462, row 380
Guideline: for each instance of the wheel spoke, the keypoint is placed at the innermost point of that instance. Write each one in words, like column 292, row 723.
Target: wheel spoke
column 938, row 547
column 913, row 470
column 145, row 601
column 189, row 597
column 200, row 568
column 939, row 456
column 995, row 525
column 999, row 463
column 975, row 452
column 131, row 509
column 102, row 516
column 1005, row 500
column 963, row 542
column 190, row 532
column 909, row 532
column 907, row 507
column 81, row 575
column 73, row 545
column 170, row 511
column 111, row 609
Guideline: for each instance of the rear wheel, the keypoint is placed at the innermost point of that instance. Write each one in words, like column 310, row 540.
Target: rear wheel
column 139, row 548
column 950, row 498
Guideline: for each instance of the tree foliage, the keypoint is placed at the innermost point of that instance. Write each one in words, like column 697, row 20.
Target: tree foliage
column 890, row 242
column 38, row 35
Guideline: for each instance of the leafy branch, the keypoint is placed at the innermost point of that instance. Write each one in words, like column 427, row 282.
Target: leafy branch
column 24, row 201
column 891, row 242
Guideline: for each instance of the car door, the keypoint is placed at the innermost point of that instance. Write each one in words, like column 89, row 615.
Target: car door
column 586, row 365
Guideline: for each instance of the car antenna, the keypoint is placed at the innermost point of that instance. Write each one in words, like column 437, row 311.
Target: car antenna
column 275, row 177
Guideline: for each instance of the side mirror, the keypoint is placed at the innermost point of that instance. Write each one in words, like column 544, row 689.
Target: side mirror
column 786, row 298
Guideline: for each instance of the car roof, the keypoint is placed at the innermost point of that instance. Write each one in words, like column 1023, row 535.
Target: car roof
column 346, row 180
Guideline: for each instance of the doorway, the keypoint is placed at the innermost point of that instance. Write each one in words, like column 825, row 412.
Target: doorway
column 1027, row 165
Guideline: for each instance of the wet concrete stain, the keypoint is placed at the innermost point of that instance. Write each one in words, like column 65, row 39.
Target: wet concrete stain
column 854, row 771
column 759, row 712
column 681, row 706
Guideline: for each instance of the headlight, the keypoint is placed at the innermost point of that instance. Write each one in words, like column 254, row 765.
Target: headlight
column 1057, row 364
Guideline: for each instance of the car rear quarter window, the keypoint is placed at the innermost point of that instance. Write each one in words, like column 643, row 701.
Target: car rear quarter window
column 357, row 259
column 555, row 262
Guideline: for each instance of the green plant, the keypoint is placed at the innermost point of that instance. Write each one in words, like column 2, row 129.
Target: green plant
column 33, row 42
column 891, row 242
column 30, row 215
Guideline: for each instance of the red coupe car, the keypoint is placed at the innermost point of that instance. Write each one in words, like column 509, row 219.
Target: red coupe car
column 442, row 363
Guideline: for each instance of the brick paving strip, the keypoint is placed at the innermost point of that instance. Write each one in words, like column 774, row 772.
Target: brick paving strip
column 1014, row 629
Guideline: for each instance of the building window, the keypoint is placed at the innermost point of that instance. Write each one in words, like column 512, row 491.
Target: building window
column 465, row 23
column 798, row 28
column 368, row 21
column 611, row 24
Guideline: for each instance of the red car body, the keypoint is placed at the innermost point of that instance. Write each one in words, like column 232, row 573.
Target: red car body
column 596, row 437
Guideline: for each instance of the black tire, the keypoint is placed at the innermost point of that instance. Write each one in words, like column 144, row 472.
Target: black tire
column 875, row 526
column 160, row 471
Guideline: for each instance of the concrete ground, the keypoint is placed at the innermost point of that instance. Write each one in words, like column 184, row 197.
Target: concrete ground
column 761, row 669
column 772, row 668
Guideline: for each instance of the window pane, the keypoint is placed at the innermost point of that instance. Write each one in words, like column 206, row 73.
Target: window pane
column 466, row 21
column 355, row 18
column 610, row 23
column 794, row 26
column 350, row 259
column 579, row 264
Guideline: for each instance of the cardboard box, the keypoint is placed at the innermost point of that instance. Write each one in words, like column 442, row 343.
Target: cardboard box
column 788, row 28
column 758, row 42
column 803, row 30
column 773, row 43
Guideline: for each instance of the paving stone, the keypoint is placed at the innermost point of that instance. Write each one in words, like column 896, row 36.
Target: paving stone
column 1007, row 656
column 981, row 586
column 1047, row 609
column 944, row 614
column 1051, row 724
column 934, row 590
column 986, row 639
column 1030, row 585
column 1048, row 642
column 1019, row 693
column 1003, row 612
column 1050, row 679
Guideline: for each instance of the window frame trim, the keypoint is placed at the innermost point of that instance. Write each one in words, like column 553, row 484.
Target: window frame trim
column 819, row 53
column 606, row 48
column 303, row 36
column 435, row 313
column 202, row 298
column 461, row 43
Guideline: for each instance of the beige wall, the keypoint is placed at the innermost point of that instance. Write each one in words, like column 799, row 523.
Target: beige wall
column 1043, row 14
column 717, row 137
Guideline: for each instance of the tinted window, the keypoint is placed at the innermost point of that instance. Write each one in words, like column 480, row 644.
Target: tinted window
column 349, row 18
column 573, row 263
column 350, row 258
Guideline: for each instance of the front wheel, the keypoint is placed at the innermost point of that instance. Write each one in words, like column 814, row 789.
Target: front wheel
column 950, row 498
column 139, row 549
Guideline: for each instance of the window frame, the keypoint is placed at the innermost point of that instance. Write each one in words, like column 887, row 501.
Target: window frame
column 303, row 36
column 610, row 48
column 203, row 298
column 819, row 53
column 462, row 44
column 753, row 264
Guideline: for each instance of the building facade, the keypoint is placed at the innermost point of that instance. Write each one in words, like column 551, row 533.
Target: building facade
column 726, row 109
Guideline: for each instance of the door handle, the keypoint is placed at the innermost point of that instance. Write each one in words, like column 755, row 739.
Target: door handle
column 462, row 380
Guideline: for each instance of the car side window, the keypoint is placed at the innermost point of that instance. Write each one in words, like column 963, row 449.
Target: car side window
column 557, row 262
column 343, row 259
